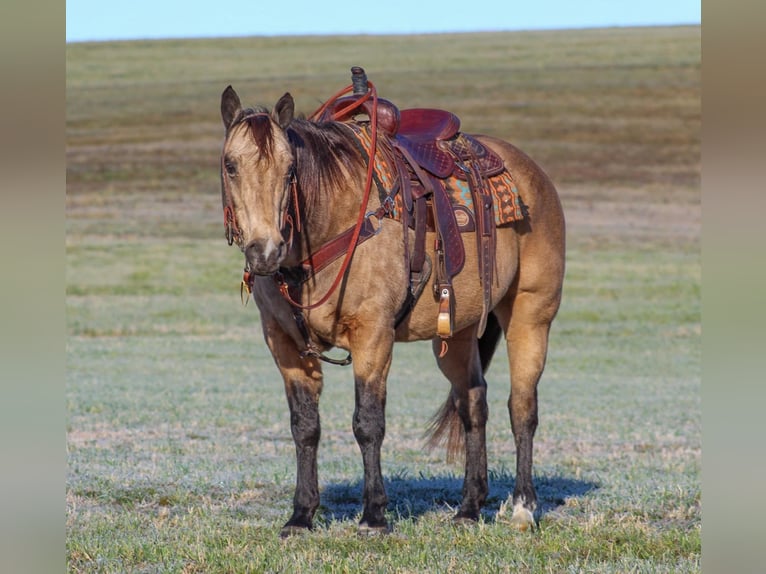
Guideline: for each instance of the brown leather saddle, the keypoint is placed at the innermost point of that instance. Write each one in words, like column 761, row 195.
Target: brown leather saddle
column 428, row 148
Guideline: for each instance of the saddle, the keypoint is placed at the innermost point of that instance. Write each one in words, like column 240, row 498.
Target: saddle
column 426, row 147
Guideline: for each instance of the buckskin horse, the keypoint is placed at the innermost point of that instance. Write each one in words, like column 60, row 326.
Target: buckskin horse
column 332, row 264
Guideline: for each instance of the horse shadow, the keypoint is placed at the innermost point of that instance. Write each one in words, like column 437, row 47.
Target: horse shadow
column 412, row 497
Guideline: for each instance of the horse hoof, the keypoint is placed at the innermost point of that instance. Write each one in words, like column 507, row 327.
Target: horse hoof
column 365, row 530
column 463, row 520
column 522, row 519
column 289, row 530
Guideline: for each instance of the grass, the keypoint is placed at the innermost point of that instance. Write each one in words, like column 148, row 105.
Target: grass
column 179, row 451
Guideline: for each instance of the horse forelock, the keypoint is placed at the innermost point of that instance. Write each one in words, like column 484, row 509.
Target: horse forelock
column 260, row 129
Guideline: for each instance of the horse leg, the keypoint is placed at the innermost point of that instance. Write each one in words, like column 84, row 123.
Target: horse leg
column 462, row 365
column 528, row 324
column 303, row 385
column 488, row 341
column 372, row 361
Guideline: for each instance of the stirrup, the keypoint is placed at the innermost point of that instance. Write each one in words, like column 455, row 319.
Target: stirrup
column 444, row 319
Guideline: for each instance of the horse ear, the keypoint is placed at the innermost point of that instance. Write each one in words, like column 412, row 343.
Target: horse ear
column 284, row 110
column 230, row 106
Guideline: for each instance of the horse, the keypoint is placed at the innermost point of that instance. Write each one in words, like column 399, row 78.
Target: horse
column 292, row 185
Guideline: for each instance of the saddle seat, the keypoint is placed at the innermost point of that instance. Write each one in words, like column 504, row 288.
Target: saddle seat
column 421, row 130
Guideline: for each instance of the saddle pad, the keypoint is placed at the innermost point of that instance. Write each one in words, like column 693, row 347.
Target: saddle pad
column 508, row 206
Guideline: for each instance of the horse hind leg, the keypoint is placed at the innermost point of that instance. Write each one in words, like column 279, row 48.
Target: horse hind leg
column 463, row 418
column 488, row 341
column 527, row 326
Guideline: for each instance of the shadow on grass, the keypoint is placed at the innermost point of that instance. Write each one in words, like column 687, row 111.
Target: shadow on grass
column 412, row 497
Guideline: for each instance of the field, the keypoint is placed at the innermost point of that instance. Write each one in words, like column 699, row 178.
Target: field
column 180, row 457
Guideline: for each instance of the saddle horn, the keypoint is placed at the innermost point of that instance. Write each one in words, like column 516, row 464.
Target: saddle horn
column 359, row 81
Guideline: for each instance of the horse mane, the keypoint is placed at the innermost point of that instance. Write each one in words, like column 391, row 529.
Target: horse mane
column 324, row 153
column 260, row 128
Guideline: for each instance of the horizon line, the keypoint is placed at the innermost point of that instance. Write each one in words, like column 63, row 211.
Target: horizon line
column 388, row 34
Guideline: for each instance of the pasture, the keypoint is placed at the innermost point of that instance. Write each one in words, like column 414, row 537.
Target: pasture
column 180, row 457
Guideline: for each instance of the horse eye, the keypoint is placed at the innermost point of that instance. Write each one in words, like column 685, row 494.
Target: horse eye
column 231, row 169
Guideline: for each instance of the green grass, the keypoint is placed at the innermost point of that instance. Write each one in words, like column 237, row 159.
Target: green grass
column 180, row 457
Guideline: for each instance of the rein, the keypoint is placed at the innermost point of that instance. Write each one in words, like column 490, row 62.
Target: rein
column 363, row 215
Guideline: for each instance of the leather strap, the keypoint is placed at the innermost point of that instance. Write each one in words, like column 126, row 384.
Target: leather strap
column 444, row 220
column 485, row 232
column 340, row 244
column 419, row 252
column 444, row 217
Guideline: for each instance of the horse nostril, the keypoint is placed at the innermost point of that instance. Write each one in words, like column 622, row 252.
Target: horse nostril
column 251, row 251
column 265, row 256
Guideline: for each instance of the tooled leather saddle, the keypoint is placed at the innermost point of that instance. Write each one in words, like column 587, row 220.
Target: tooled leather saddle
column 426, row 147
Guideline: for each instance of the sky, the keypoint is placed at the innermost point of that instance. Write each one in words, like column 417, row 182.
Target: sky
column 99, row 20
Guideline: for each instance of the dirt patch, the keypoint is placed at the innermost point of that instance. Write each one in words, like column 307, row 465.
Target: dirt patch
column 642, row 213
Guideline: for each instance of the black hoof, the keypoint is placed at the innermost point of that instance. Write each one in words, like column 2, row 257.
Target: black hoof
column 463, row 521
column 465, row 518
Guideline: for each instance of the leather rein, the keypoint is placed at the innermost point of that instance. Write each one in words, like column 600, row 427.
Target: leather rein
column 346, row 241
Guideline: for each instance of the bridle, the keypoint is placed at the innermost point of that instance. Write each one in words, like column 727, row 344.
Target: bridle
column 291, row 218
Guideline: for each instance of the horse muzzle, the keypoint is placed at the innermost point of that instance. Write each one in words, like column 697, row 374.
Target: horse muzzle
column 264, row 257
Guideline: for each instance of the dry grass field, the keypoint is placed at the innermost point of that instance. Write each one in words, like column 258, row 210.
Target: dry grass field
column 179, row 451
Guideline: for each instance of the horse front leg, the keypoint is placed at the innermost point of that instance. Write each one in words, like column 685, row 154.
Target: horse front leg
column 303, row 400
column 303, row 386
column 372, row 361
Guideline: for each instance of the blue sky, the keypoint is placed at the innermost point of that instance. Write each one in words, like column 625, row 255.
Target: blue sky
column 136, row 19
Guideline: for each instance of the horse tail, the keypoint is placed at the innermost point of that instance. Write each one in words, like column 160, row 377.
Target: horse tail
column 445, row 426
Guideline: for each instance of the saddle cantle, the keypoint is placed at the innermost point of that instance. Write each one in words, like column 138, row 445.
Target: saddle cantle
column 427, row 124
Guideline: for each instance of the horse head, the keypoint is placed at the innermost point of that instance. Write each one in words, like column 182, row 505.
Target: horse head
column 257, row 173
